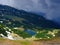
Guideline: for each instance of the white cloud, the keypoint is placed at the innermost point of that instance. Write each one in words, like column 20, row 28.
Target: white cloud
column 6, row 2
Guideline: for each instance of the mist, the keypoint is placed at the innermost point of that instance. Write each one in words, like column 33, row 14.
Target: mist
column 50, row 7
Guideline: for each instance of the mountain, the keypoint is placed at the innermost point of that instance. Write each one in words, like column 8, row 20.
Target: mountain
column 26, row 18
column 19, row 24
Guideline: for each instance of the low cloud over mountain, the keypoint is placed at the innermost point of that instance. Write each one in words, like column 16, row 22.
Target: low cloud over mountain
column 50, row 7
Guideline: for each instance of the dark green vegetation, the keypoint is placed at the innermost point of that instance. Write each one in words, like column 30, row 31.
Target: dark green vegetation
column 43, row 35
column 12, row 18
column 27, row 19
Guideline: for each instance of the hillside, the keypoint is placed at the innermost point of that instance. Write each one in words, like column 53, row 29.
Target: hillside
column 18, row 24
column 26, row 18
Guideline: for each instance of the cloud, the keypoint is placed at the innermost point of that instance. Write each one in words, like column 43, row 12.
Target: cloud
column 55, row 1
column 53, row 12
column 31, row 5
column 28, row 5
column 50, row 7
column 6, row 2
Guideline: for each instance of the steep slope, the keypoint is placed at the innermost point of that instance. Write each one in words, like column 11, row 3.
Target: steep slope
column 26, row 18
column 19, row 24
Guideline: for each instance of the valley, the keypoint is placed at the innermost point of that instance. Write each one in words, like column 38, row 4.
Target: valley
column 18, row 27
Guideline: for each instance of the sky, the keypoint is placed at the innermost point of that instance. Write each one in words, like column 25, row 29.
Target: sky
column 50, row 7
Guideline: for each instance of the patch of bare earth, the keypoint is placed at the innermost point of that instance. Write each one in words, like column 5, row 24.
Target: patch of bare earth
column 9, row 42
column 55, row 41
